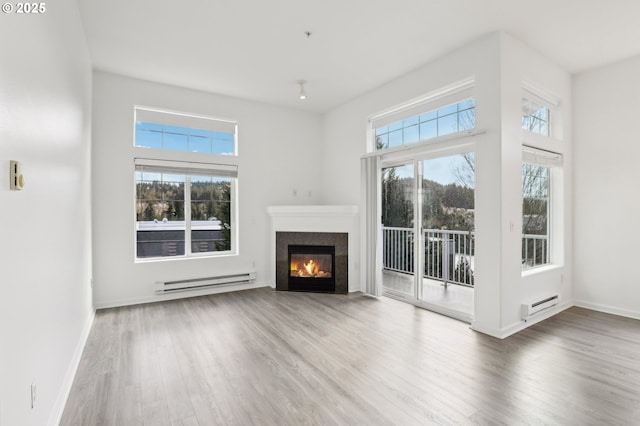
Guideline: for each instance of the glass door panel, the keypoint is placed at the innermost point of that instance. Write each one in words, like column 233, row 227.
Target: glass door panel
column 398, row 193
column 447, row 234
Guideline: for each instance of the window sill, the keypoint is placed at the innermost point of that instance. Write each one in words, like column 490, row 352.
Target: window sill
column 540, row 270
column 176, row 258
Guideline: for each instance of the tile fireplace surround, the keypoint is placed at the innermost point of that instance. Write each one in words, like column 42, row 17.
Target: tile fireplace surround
column 337, row 240
column 319, row 219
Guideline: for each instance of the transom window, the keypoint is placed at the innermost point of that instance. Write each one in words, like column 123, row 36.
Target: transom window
column 449, row 119
column 535, row 117
column 181, row 132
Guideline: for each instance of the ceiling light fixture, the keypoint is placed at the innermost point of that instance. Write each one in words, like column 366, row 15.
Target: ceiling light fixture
column 302, row 95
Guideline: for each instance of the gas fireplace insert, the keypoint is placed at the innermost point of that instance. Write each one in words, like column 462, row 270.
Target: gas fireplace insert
column 311, row 268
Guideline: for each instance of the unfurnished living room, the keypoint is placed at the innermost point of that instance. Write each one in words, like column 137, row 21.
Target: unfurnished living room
column 299, row 212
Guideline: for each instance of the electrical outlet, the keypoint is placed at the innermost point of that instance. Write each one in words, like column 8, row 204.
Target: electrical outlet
column 33, row 394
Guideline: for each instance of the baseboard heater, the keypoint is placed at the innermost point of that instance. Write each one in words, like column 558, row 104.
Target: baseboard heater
column 163, row 287
column 530, row 309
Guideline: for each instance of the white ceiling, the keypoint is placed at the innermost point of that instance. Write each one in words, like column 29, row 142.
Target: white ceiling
column 257, row 49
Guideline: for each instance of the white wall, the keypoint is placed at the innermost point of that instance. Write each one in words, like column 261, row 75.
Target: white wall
column 278, row 153
column 519, row 63
column 607, row 204
column 499, row 63
column 45, row 308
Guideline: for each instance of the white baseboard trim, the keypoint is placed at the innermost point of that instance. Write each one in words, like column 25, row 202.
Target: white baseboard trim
column 521, row 325
column 516, row 327
column 489, row 331
column 179, row 295
column 65, row 389
column 607, row 309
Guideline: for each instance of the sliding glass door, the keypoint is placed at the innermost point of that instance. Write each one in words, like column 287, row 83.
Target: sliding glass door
column 428, row 233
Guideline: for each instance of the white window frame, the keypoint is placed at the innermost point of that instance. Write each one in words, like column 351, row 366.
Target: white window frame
column 418, row 122
column 445, row 96
column 528, row 103
column 188, row 170
column 553, row 161
column 185, row 120
column 553, row 103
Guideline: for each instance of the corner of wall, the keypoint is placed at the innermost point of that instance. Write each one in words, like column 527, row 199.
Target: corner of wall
column 65, row 389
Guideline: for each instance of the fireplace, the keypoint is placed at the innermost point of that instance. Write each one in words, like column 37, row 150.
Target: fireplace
column 312, row 261
column 311, row 268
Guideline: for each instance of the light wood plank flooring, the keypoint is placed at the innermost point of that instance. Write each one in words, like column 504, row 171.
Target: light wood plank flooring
column 260, row 357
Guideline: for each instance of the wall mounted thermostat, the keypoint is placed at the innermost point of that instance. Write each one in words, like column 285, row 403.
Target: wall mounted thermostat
column 15, row 175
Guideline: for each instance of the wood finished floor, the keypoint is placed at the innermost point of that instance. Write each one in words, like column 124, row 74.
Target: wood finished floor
column 260, row 357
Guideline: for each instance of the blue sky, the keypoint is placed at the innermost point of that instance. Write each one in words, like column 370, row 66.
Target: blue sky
column 151, row 135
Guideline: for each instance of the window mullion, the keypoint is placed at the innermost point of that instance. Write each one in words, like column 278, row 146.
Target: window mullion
column 187, row 215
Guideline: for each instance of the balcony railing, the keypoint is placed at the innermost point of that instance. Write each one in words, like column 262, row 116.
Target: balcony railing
column 448, row 255
column 397, row 249
column 535, row 250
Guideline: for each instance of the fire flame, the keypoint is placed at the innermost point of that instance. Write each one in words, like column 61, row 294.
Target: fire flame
column 308, row 269
column 311, row 267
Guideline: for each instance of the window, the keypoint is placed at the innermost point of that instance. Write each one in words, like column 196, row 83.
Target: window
column 184, row 208
column 535, row 118
column 449, row 119
column 536, row 205
column 182, row 132
column 542, row 178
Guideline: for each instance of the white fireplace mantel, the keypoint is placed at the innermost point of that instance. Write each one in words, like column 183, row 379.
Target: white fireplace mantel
column 317, row 211
column 319, row 219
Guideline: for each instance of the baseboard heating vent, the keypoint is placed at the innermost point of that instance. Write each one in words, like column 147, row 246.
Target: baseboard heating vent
column 530, row 309
column 163, row 287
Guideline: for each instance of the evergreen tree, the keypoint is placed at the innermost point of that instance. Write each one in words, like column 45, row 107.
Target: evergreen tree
column 463, row 272
column 224, row 212
column 148, row 212
column 397, row 204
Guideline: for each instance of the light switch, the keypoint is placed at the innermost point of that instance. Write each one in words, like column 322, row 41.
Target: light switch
column 16, row 180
